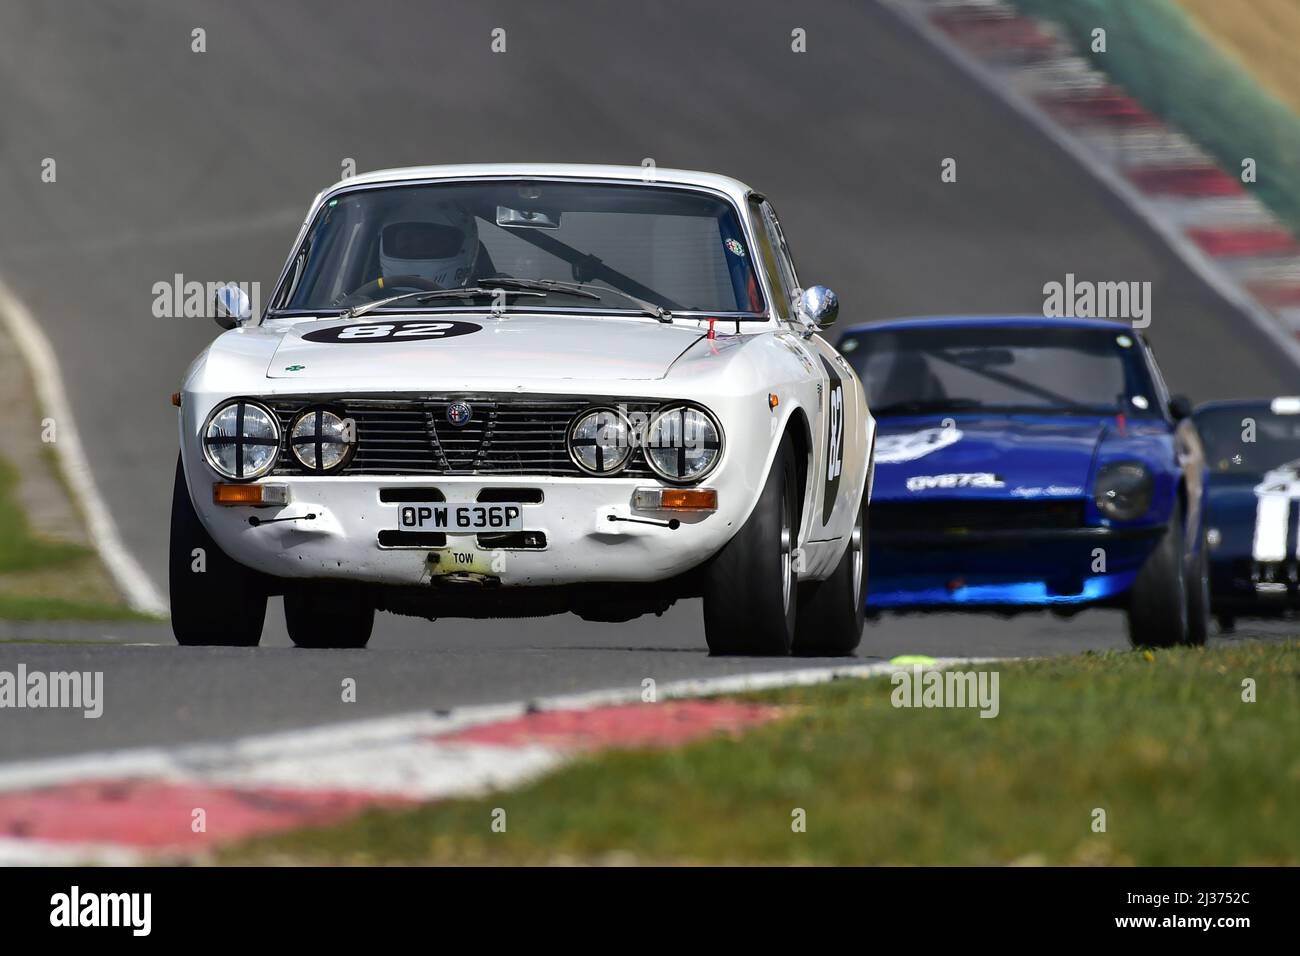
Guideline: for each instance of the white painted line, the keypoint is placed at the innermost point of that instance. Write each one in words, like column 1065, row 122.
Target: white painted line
column 265, row 754
column 18, row 852
column 914, row 14
column 130, row 577
column 415, row 769
column 407, row 755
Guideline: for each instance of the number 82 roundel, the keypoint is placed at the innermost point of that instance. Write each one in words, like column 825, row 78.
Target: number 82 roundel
column 834, row 438
column 392, row 332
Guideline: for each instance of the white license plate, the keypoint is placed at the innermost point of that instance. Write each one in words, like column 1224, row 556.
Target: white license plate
column 460, row 519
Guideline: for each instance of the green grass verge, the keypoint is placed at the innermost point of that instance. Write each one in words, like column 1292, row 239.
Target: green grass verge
column 35, row 608
column 1156, row 52
column 20, row 550
column 45, row 580
column 1186, row 771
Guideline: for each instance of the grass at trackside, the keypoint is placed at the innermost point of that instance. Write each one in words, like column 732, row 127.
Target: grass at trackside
column 41, row 579
column 1161, row 55
column 21, row 608
column 19, row 549
column 1260, row 34
column 1186, row 771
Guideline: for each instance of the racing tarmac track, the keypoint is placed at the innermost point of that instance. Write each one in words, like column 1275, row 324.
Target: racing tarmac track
column 170, row 161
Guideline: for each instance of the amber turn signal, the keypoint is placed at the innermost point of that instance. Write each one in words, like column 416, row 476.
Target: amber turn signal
column 676, row 499
column 255, row 495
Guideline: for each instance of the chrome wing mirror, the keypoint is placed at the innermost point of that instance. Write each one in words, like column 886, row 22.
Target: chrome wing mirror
column 231, row 306
column 818, row 307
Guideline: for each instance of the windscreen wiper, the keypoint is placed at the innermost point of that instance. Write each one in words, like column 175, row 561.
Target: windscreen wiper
column 427, row 296
column 585, row 290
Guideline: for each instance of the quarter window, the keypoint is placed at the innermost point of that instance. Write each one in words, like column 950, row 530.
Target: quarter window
column 771, row 261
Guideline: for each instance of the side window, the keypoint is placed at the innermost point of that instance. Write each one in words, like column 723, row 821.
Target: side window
column 771, row 265
column 783, row 258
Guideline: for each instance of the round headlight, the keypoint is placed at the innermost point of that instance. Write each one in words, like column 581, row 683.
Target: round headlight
column 241, row 440
column 600, row 441
column 683, row 443
column 1123, row 490
column 322, row 440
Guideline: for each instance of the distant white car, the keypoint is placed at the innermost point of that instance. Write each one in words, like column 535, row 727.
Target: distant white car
column 496, row 391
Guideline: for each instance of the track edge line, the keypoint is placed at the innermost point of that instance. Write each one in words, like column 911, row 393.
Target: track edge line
column 130, row 577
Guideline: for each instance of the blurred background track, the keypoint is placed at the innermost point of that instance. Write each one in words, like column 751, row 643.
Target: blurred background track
column 202, row 164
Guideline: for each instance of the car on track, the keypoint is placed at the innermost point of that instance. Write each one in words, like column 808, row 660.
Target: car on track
column 1029, row 463
column 497, row 391
column 1252, row 452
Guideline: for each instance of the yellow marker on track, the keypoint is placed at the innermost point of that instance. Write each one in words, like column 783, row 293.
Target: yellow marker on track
column 912, row 660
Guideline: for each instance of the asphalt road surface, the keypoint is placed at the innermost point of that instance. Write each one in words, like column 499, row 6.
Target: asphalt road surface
column 173, row 162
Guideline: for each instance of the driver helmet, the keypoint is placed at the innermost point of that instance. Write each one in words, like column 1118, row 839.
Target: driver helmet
column 441, row 246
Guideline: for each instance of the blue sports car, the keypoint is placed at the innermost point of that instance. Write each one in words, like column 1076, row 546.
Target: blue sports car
column 1252, row 449
column 1027, row 463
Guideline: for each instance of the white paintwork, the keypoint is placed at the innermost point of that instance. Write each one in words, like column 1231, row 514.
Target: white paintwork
column 607, row 358
column 508, row 350
column 1273, row 497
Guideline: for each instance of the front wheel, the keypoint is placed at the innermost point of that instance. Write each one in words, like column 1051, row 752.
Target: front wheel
column 1158, row 603
column 750, row 594
column 329, row 614
column 831, row 612
column 1198, row 595
column 214, row 599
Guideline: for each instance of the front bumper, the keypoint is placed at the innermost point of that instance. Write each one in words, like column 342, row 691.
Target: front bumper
column 582, row 544
column 1024, row 568
column 1243, row 585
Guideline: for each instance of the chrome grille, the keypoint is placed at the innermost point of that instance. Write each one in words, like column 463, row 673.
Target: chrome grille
column 506, row 434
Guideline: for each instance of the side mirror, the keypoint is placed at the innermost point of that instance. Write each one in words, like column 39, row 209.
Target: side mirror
column 231, row 306
column 819, row 306
column 1180, row 407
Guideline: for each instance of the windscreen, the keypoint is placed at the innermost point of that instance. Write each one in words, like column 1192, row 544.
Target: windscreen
column 1000, row 369
column 1248, row 439
column 677, row 248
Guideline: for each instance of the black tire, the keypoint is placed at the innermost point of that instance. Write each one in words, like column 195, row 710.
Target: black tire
column 831, row 612
column 329, row 614
column 1158, row 601
column 750, row 589
column 214, row 599
column 1198, row 595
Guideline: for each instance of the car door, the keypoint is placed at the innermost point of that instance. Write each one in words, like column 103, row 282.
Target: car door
column 837, row 435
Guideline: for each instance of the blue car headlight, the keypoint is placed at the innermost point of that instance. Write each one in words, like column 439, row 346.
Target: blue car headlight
column 1123, row 490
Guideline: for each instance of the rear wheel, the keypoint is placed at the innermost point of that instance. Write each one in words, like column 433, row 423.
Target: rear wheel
column 214, row 600
column 325, row 614
column 831, row 612
column 750, row 593
column 1158, row 601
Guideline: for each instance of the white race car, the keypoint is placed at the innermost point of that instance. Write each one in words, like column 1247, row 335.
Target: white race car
column 497, row 391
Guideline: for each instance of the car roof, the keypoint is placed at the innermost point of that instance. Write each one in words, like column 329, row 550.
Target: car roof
column 966, row 321
column 733, row 188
